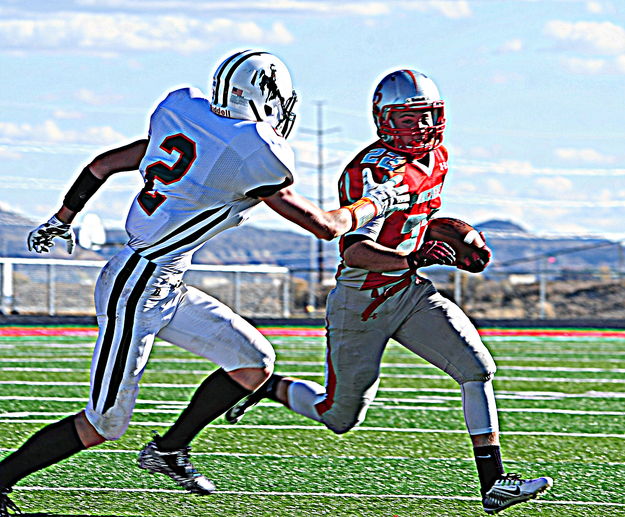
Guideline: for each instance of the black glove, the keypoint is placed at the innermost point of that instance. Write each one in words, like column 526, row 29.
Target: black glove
column 432, row 252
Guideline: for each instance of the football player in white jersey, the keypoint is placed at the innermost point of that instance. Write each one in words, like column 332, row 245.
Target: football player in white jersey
column 205, row 165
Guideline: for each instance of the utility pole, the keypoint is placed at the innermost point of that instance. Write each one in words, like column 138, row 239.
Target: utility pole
column 320, row 166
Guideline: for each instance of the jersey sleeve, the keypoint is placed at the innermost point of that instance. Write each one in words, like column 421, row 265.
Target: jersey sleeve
column 350, row 185
column 269, row 168
column 173, row 97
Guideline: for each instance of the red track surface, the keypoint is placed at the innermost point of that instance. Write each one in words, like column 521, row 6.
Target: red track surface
column 26, row 331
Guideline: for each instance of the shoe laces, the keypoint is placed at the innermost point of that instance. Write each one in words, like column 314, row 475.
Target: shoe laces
column 184, row 461
column 510, row 479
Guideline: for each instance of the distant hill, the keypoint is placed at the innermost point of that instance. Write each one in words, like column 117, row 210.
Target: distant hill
column 14, row 230
column 514, row 248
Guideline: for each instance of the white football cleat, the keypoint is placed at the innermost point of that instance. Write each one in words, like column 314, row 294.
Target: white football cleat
column 510, row 489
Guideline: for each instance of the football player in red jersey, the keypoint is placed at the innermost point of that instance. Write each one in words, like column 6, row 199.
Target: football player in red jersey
column 379, row 294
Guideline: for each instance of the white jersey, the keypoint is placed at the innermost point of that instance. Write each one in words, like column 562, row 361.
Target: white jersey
column 202, row 173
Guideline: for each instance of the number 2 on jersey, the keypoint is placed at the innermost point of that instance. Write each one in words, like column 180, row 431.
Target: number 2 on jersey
column 151, row 199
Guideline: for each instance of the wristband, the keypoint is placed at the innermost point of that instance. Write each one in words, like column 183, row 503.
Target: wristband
column 85, row 186
column 362, row 211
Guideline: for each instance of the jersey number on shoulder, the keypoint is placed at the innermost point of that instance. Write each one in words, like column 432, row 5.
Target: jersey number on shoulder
column 151, row 199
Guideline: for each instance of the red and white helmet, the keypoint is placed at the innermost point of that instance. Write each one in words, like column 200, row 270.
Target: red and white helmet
column 255, row 85
column 409, row 90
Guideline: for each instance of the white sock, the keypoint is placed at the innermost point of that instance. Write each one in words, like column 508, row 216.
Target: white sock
column 480, row 408
column 303, row 395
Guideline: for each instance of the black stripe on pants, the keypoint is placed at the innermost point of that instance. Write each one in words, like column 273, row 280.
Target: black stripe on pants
column 109, row 334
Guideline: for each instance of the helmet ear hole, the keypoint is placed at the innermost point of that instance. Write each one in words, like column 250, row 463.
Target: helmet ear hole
column 268, row 110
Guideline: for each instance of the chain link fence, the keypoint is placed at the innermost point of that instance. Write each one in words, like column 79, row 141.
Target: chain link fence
column 65, row 287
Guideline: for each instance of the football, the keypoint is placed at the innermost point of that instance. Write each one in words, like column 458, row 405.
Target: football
column 472, row 254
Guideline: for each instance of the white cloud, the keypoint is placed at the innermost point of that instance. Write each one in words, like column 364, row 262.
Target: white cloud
column 96, row 99
column 585, row 66
column 589, row 37
column 554, row 184
column 465, row 187
column 601, row 7
column 499, row 77
column 513, row 45
column 584, row 156
column 50, row 132
column 249, row 7
column 100, row 33
column 495, row 186
column 594, row 7
column 598, row 66
column 449, row 8
column 480, row 152
column 67, row 115
column 6, row 153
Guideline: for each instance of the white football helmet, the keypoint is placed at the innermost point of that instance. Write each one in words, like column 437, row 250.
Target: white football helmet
column 409, row 91
column 255, row 85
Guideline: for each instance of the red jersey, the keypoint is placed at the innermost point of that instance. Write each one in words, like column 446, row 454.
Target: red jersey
column 401, row 230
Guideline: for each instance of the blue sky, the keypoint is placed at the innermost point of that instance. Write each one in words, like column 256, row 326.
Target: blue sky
column 534, row 91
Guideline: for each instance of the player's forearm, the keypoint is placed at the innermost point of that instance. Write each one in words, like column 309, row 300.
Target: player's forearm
column 323, row 225
column 297, row 209
column 93, row 176
column 372, row 256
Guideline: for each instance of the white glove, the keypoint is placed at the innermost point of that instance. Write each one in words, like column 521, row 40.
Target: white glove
column 387, row 196
column 40, row 239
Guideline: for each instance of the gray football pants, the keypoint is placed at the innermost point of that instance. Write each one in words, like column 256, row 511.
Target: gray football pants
column 424, row 322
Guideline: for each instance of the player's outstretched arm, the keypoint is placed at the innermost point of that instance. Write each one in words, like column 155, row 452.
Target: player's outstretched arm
column 377, row 199
column 91, row 178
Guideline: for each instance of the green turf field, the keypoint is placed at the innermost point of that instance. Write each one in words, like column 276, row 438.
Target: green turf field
column 561, row 413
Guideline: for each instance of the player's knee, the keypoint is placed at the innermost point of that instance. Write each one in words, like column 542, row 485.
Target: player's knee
column 340, row 427
column 251, row 378
column 108, row 426
column 113, row 432
column 481, row 371
column 478, row 366
column 340, row 419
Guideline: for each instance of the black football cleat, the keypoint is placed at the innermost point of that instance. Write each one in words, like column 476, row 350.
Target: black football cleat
column 510, row 489
column 176, row 465
column 6, row 505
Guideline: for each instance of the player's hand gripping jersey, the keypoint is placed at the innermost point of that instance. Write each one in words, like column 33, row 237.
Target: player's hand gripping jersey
column 202, row 175
column 400, row 230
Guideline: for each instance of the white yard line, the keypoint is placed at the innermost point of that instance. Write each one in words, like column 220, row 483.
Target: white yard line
column 319, row 374
column 316, row 456
column 175, row 408
column 408, row 366
column 307, row 494
column 422, row 399
column 319, row 427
